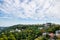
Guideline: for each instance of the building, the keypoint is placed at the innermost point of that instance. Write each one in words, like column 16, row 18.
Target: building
column 47, row 25
column 16, row 30
column 57, row 33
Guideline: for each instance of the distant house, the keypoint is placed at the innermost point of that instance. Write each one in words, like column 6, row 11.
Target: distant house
column 57, row 33
column 47, row 25
column 12, row 31
column 40, row 27
column 16, row 30
column 44, row 34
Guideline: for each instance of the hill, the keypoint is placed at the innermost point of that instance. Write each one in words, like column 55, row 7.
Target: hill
column 27, row 32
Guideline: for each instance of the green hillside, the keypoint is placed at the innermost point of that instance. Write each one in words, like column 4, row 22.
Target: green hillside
column 28, row 32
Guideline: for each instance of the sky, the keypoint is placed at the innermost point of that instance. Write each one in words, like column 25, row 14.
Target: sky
column 14, row 12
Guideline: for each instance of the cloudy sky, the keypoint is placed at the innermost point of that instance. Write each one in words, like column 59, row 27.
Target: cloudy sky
column 29, row 12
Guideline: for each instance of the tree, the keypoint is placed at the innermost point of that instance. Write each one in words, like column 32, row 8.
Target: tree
column 11, row 37
column 5, row 37
column 1, row 39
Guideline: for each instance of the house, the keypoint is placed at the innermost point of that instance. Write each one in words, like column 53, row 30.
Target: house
column 40, row 27
column 47, row 25
column 16, row 30
column 11, row 30
column 44, row 34
column 57, row 33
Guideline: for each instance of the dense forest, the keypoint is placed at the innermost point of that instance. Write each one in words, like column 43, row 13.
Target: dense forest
column 29, row 32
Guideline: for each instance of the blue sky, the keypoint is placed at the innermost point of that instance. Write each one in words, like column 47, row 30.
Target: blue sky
column 14, row 12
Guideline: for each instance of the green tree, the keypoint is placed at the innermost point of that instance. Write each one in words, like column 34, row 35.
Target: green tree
column 1, row 38
column 11, row 37
column 5, row 37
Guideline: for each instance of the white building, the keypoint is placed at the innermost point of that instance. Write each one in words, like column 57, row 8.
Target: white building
column 16, row 30
column 57, row 32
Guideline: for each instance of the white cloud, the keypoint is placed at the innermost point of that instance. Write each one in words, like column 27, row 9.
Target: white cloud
column 54, row 11
column 36, row 9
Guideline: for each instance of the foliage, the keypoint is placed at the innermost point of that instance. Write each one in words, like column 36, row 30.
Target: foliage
column 27, row 32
